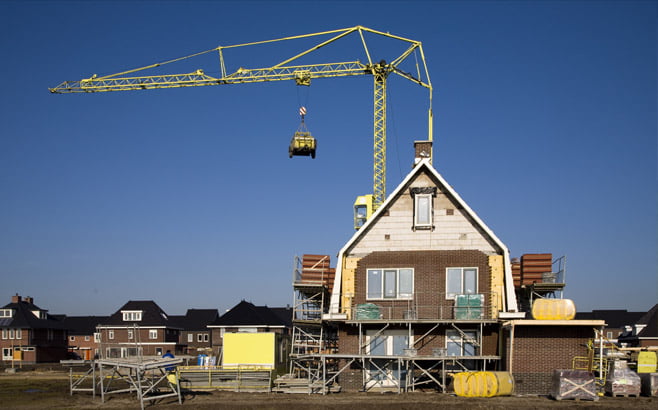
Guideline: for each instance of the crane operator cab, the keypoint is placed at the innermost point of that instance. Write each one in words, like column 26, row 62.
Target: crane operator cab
column 302, row 143
column 363, row 209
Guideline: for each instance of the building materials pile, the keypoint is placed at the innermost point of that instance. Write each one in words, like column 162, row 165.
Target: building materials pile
column 621, row 380
column 574, row 385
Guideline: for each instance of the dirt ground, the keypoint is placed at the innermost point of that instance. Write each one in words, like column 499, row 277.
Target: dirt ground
column 38, row 390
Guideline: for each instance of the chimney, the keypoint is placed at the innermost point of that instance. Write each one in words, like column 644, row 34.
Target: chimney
column 16, row 299
column 423, row 149
column 29, row 299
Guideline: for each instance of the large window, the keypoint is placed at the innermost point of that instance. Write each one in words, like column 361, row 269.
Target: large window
column 422, row 210
column 462, row 344
column 390, row 283
column 461, row 280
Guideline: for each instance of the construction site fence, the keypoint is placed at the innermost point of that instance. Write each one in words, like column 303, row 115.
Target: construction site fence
column 423, row 306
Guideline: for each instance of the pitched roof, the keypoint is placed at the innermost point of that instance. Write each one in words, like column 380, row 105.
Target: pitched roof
column 246, row 314
column 196, row 319
column 24, row 317
column 650, row 319
column 83, row 325
column 614, row 318
column 425, row 165
column 152, row 315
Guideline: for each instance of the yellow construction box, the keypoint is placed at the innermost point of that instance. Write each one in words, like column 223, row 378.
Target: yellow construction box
column 250, row 349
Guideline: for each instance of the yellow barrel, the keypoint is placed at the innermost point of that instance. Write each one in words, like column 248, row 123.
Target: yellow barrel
column 553, row 309
column 646, row 362
column 483, row 384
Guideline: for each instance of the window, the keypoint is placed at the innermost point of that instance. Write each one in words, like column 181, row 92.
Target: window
column 153, row 333
column 461, row 280
column 202, row 337
column 390, row 283
column 422, row 210
column 609, row 335
column 110, row 334
column 97, row 337
column 132, row 315
column 247, row 330
column 130, row 334
column 4, row 333
column 86, row 338
column 190, row 337
column 6, row 313
column 11, row 333
column 72, row 338
column 19, row 334
column 382, row 372
column 462, row 344
column 7, row 353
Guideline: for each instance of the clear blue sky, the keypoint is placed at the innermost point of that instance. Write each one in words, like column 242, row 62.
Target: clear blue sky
column 545, row 123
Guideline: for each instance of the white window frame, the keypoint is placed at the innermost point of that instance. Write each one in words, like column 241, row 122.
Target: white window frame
column 132, row 315
column 97, row 337
column 384, row 292
column 72, row 338
column 110, row 334
column 11, row 334
column 423, row 219
column 4, row 334
column 86, row 338
column 7, row 353
column 190, row 337
column 19, row 334
column 451, row 295
column 455, row 338
column 6, row 312
column 131, row 334
column 153, row 334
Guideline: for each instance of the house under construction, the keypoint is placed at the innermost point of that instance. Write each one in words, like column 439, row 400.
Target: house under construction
column 422, row 290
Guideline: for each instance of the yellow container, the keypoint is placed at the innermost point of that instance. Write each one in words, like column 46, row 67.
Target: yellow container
column 483, row 384
column 553, row 309
column 646, row 362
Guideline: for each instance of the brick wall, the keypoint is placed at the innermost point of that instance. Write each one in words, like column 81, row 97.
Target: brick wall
column 429, row 276
column 538, row 350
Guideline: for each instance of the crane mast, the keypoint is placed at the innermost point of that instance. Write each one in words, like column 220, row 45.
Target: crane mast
column 302, row 74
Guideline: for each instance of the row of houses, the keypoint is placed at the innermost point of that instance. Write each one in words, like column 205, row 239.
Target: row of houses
column 423, row 277
column 139, row 328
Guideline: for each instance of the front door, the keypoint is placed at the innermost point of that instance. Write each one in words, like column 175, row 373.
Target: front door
column 384, row 372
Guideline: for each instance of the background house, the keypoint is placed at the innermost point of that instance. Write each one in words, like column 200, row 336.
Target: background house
column 83, row 339
column 195, row 336
column 30, row 334
column 139, row 328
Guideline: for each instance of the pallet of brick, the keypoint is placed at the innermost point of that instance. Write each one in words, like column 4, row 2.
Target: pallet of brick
column 649, row 384
column 622, row 381
column 533, row 267
column 315, row 269
column 573, row 385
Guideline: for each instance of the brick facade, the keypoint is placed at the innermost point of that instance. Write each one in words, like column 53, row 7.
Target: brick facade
column 538, row 350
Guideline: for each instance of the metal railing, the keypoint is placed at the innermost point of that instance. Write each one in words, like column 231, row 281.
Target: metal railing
column 422, row 306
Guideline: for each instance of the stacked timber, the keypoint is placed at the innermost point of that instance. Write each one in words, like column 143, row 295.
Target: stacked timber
column 574, row 385
column 534, row 266
column 316, row 270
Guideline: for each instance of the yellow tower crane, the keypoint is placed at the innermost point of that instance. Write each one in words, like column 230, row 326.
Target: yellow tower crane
column 288, row 70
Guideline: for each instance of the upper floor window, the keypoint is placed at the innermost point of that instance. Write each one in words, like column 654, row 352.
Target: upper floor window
column 461, row 280
column 130, row 334
column 97, row 337
column 390, row 283
column 423, row 207
column 202, row 337
column 153, row 333
column 40, row 314
column 110, row 334
column 6, row 312
column 132, row 315
column 190, row 337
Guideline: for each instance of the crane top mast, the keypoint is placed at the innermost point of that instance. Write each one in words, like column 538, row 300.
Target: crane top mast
column 289, row 69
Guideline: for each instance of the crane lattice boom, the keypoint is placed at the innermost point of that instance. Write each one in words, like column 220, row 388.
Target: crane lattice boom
column 301, row 74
